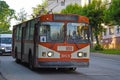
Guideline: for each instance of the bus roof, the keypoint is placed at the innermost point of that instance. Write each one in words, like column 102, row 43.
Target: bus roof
column 58, row 17
column 64, row 17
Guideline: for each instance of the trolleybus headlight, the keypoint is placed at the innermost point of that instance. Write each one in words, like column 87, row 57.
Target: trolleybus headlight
column 2, row 48
column 79, row 54
column 50, row 54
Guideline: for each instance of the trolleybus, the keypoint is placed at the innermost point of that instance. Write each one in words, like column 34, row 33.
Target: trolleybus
column 53, row 41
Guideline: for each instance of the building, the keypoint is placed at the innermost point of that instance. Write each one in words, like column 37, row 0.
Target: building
column 111, row 37
column 58, row 5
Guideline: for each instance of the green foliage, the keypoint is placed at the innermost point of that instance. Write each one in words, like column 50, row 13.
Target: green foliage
column 6, row 32
column 6, row 14
column 98, row 47
column 110, row 51
column 107, row 51
column 21, row 16
column 36, row 10
column 94, row 11
column 72, row 9
column 113, row 13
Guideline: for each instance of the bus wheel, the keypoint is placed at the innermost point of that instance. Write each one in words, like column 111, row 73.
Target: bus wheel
column 17, row 60
column 72, row 69
column 1, row 54
column 31, row 63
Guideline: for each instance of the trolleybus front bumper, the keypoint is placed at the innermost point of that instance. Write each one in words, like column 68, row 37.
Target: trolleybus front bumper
column 62, row 64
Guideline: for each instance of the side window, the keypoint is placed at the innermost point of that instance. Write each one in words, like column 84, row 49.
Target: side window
column 31, row 33
column 27, row 31
column 17, row 33
column 20, row 32
column 45, row 33
column 43, row 30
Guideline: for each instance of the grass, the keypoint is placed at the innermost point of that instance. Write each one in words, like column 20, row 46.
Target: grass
column 107, row 51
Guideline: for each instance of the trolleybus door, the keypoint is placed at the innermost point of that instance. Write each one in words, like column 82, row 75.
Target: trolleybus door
column 35, row 39
column 22, row 42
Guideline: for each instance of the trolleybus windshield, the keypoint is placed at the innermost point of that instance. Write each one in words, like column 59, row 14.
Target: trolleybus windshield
column 77, row 33
column 51, row 32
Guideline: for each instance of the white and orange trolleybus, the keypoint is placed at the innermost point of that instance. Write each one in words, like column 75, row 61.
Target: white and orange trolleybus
column 52, row 41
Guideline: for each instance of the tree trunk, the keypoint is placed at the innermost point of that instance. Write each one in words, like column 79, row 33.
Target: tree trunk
column 91, row 36
column 97, row 40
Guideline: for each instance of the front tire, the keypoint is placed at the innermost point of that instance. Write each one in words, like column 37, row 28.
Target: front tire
column 1, row 54
column 16, row 56
column 31, row 66
column 72, row 69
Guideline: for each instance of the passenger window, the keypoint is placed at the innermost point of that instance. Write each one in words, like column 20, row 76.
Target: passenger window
column 31, row 34
column 27, row 31
column 18, row 32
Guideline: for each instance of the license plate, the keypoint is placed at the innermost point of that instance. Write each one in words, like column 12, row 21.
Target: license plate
column 65, row 56
column 65, row 48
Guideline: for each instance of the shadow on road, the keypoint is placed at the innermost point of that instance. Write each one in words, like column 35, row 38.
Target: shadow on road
column 53, row 70
column 57, row 71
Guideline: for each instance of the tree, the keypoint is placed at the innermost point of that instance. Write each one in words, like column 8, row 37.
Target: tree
column 40, row 7
column 21, row 16
column 6, row 14
column 113, row 13
column 73, row 9
column 94, row 11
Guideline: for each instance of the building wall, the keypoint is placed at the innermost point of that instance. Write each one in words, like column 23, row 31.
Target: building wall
column 56, row 6
column 111, row 37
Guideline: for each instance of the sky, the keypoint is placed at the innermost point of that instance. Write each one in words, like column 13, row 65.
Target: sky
column 19, row 4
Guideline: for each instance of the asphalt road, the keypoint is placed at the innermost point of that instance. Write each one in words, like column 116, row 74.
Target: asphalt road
column 102, row 67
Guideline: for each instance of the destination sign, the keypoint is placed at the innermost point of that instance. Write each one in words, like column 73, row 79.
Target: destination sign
column 65, row 17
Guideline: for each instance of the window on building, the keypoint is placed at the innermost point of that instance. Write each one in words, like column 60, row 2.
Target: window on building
column 111, row 30
column 63, row 3
column 105, row 32
column 118, row 29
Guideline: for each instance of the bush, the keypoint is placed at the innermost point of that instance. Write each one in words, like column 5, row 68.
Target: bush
column 98, row 47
